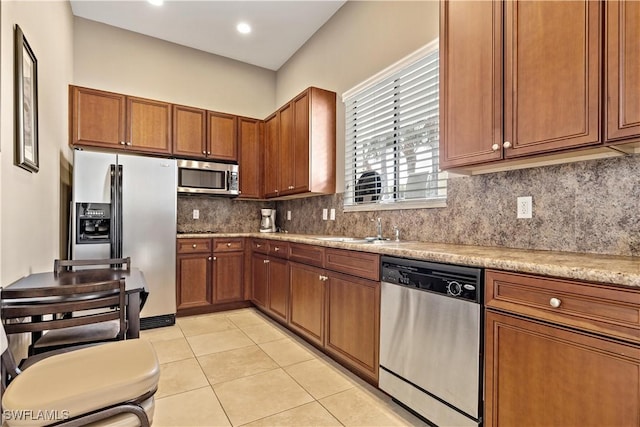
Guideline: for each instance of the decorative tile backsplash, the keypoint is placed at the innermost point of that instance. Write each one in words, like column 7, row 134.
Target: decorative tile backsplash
column 591, row 206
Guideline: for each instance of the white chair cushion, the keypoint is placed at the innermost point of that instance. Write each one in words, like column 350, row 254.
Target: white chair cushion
column 84, row 380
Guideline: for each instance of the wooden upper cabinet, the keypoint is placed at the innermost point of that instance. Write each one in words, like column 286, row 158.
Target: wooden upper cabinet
column 148, row 125
column 300, row 144
column 271, row 156
column 189, row 131
column 552, row 75
column 286, row 163
column 221, row 136
column 110, row 120
column 622, row 70
column 307, row 145
column 470, row 82
column 97, row 118
column 250, row 157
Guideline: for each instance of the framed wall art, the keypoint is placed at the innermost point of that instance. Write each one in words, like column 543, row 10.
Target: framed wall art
column 26, row 108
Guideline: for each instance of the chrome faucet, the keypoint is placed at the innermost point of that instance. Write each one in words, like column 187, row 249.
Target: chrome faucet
column 379, row 229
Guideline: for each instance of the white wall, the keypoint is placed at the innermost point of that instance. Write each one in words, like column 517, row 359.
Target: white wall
column 122, row 61
column 32, row 204
column 361, row 39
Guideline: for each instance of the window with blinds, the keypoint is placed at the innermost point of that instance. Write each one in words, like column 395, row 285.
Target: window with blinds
column 392, row 137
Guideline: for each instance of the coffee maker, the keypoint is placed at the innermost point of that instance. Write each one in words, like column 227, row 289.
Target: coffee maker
column 268, row 221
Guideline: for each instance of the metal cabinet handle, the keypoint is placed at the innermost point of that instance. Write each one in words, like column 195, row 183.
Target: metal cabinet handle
column 276, row 249
column 129, row 143
column 194, row 246
column 555, row 302
column 228, row 245
column 258, row 245
column 495, row 147
column 506, row 144
column 215, row 258
column 123, row 143
column 204, row 152
column 266, row 261
column 208, row 152
column 209, row 258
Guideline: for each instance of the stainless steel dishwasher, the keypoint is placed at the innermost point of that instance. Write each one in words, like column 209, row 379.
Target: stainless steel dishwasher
column 430, row 339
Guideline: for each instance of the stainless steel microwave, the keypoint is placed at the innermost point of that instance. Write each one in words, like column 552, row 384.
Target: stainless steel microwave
column 208, row 178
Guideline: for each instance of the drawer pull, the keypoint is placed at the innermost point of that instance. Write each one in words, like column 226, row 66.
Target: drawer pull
column 258, row 245
column 228, row 245
column 209, row 258
column 194, row 246
column 215, row 258
column 277, row 249
column 555, row 302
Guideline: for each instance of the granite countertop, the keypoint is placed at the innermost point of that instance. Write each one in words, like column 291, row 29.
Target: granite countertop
column 619, row 270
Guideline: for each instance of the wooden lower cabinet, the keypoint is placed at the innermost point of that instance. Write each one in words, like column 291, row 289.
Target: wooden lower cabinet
column 210, row 274
column 353, row 322
column 270, row 284
column 307, row 307
column 228, row 271
column 541, row 375
column 278, row 287
column 259, row 279
column 194, row 276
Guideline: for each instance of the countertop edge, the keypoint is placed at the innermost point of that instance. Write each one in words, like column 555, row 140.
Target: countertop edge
column 605, row 269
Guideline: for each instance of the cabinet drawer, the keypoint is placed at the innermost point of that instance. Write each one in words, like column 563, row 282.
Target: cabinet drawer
column 261, row 246
column 228, row 245
column 603, row 309
column 193, row 246
column 279, row 249
column 307, row 254
column 359, row 264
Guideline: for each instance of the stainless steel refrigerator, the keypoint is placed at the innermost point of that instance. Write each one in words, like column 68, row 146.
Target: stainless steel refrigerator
column 125, row 206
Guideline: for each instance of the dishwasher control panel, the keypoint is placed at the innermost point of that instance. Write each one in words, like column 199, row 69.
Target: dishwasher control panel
column 455, row 281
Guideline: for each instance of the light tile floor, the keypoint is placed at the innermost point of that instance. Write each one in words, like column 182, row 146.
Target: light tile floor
column 240, row 368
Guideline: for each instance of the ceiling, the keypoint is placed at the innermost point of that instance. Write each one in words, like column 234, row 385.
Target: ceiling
column 279, row 28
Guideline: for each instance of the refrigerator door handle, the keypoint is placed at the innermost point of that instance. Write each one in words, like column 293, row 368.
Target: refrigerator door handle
column 119, row 181
column 114, row 209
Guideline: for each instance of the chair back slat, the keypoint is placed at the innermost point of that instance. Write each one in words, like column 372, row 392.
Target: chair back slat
column 62, row 290
column 47, row 325
column 16, row 310
column 61, row 265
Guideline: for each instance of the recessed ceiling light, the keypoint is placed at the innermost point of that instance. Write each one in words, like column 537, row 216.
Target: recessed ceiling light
column 156, row 2
column 243, row 28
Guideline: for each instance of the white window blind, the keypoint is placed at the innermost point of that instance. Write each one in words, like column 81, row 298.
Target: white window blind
column 392, row 138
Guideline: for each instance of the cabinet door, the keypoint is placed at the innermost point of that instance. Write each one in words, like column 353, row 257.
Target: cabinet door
column 189, row 131
column 272, row 164
column 97, row 118
column 353, row 325
column 194, row 277
column 228, row 273
column 307, row 306
column 148, row 125
column 541, row 375
column 278, row 287
column 470, row 82
column 300, row 144
column 259, row 279
column 250, row 158
column 222, row 134
column 286, row 162
column 552, row 75
column 622, row 69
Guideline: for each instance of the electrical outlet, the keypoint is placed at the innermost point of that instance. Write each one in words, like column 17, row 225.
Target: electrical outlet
column 196, row 214
column 325, row 214
column 332, row 214
column 525, row 207
column 288, row 215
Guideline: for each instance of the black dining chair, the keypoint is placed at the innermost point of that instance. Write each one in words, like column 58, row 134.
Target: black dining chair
column 98, row 314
